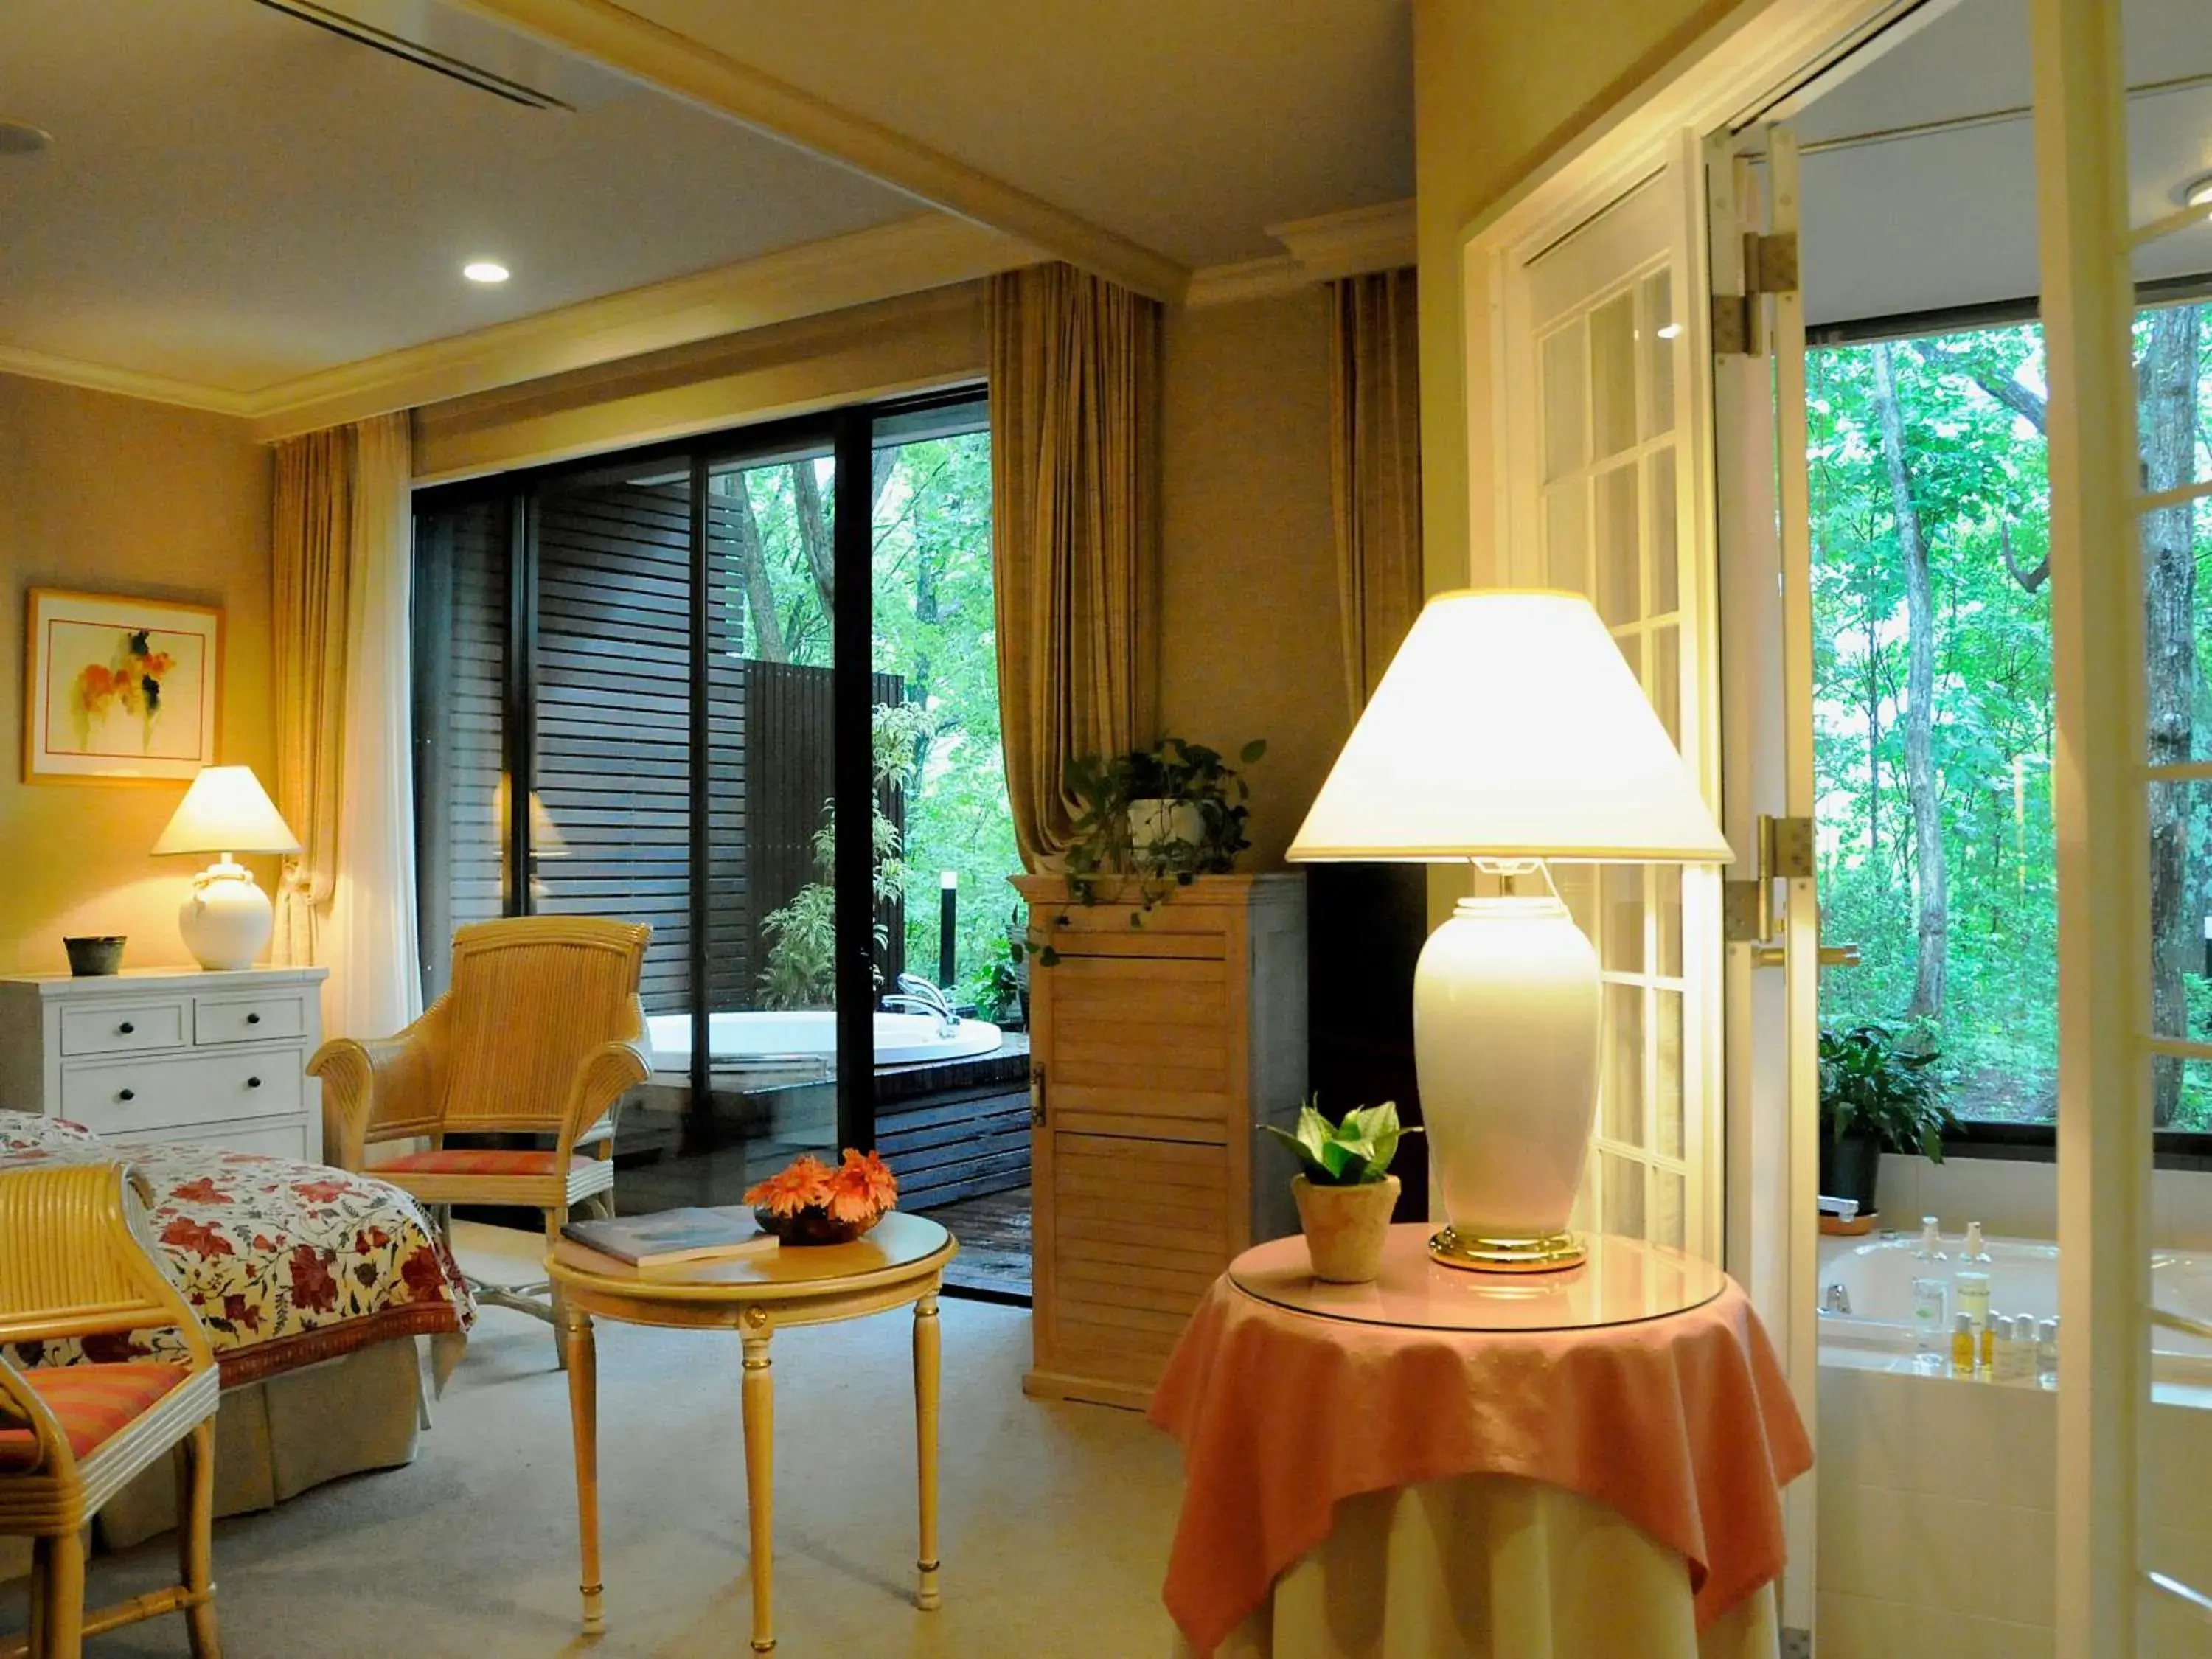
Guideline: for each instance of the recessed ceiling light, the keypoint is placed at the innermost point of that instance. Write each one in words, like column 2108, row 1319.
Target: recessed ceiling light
column 484, row 271
column 1669, row 331
column 22, row 138
column 2197, row 193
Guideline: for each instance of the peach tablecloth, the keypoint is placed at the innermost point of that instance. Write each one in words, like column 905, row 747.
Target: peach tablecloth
column 1683, row 1423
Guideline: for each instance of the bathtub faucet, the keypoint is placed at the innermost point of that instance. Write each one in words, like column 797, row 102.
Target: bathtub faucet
column 1836, row 1299
column 919, row 995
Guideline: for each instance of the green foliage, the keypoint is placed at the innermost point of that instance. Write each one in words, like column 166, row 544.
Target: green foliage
column 1871, row 1084
column 1353, row 1152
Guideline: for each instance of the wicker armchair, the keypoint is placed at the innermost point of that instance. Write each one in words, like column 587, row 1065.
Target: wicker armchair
column 73, row 1262
column 541, row 1033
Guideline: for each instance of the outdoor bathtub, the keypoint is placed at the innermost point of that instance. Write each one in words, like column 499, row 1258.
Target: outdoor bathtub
column 1877, row 1276
column 809, row 1039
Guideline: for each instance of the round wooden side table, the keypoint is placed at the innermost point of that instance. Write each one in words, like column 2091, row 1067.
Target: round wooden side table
column 901, row 1261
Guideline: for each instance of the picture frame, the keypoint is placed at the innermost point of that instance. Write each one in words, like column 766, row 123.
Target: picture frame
column 118, row 689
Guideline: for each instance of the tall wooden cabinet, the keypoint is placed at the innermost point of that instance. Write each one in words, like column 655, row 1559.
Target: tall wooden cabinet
column 1158, row 1047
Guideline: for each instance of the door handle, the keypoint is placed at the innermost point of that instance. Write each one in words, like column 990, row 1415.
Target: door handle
column 1832, row 956
column 1038, row 1096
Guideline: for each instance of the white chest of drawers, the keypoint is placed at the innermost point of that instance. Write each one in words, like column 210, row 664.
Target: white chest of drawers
column 170, row 1054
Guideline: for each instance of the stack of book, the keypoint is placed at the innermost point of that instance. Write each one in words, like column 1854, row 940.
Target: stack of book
column 673, row 1240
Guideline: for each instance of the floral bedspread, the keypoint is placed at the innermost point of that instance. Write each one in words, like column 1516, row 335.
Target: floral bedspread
column 287, row 1264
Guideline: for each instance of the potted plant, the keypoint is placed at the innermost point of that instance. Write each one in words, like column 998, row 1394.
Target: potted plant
column 807, row 1202
column 1153, row 820
column 1345, row 1190
column 1876, row 1095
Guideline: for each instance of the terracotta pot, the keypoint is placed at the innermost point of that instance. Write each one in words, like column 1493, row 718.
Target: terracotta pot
column 1346, row 1226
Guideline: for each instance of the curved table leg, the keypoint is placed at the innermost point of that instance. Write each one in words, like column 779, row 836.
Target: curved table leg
column 759, row 1402
column 582, row 1355
column 925, row 1348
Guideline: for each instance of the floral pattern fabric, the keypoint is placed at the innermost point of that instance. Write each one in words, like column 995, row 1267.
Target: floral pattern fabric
column 286, row 1263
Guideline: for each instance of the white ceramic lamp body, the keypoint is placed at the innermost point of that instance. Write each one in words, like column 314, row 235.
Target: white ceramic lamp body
column 1505, row 1044
column 226, row 918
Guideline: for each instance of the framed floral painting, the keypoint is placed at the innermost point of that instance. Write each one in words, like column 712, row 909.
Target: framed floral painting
column 118, row 691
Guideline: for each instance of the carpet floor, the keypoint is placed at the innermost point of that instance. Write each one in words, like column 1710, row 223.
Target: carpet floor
column 1055, row 1519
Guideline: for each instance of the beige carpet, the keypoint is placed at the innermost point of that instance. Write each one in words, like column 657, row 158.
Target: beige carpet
column 1056, row 1519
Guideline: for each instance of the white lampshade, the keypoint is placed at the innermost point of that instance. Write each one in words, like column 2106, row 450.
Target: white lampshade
column 1510, row 726
column 226, row 811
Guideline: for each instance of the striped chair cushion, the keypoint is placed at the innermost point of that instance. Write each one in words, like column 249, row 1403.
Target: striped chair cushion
column 91, row 1402
column 477, row 1161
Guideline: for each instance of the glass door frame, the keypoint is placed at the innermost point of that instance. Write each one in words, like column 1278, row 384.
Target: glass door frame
column 849, row 435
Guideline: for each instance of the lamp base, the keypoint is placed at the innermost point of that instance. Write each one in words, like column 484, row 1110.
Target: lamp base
column 1549, row 1254
column 227, row 918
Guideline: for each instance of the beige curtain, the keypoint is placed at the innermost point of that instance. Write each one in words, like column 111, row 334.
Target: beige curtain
column 314, row 532
column 1375, row 469
column 344, row 556
column 1075, row 536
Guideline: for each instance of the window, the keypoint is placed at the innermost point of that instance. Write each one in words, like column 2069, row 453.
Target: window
column 1933, row 701
column 689, row 664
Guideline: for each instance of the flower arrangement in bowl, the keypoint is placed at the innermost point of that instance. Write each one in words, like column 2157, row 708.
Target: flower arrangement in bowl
column 810, row 1203
column 1346, row 1191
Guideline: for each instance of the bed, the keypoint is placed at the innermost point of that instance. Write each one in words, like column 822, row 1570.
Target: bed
column 314, row 1285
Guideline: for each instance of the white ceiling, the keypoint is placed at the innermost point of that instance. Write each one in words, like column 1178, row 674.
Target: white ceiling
column 236, row 198
column 1187, row 125
column 1922, row 222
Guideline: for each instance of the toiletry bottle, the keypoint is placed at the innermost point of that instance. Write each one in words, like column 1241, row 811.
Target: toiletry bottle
column 1989, row 1334
column 1962, row 1346
column 2046, row 1353
column 1931, row 1291
column 2016, row 1352
column 1972, row 1281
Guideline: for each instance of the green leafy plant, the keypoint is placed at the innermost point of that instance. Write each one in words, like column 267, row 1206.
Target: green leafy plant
column 1351, row 1152
column 802, row 951
column 1195, row 788
column 1872, row 1085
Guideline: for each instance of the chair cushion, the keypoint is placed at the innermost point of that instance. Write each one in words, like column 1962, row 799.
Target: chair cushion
column 91, row 1402
column 478, row 1160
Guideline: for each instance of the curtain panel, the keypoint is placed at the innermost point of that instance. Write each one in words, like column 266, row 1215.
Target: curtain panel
column 1375, row 469
column 343, row 570
column 1075, row 397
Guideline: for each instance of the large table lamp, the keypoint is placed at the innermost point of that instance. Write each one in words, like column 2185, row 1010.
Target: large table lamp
column 226, row 918
column 1508, row 730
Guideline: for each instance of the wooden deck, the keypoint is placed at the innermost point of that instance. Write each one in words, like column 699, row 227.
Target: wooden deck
column 993, row 1232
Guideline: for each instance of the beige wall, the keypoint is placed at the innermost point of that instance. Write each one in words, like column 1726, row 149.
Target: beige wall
column 1499, row 86
column 111, row 494
column 1249, row 644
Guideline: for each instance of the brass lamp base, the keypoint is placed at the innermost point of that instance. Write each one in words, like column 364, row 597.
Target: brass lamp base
column 1548, row 1254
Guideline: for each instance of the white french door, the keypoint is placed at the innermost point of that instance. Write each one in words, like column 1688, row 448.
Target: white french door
column 1609, row 498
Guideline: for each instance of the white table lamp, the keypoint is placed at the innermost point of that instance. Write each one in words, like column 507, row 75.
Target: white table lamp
column 1507, row 731
column 227, row 918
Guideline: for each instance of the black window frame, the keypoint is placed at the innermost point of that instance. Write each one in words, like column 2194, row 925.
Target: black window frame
column 849, row 433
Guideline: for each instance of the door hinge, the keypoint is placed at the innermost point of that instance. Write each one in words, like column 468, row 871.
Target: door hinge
column 1038, row 1096
column 1770, row 266
column 1784, row 852
column 1785, row 849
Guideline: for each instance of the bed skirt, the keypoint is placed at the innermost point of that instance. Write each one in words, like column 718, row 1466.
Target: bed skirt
column 276, row 1438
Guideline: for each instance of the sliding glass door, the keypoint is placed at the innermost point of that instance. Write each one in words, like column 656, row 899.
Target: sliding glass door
column 659, row 686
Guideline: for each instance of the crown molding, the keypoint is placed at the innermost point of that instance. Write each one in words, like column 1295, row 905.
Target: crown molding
column 645, row 51
column 125, row 382
column 1351, row 243
column 905, row 257
column 1318, row 250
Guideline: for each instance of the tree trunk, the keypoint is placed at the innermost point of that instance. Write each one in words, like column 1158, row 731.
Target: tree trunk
column 2167, row 414
column 766, row 644
column 1873, row 736
column 1932, row 964
column 814, row 536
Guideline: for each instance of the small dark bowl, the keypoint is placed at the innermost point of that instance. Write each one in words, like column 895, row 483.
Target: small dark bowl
column 812, row 1225
column 90, row 956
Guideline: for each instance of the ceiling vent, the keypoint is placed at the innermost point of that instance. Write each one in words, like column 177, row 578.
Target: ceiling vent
column 417, row 52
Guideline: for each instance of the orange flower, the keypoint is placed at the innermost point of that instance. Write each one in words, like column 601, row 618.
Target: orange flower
column 804, row 1185
column 862, row 1189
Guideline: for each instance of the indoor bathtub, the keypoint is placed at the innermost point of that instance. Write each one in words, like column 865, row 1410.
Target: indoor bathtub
column 809, row 1037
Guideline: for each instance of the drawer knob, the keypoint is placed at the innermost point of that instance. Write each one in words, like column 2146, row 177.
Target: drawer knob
column 253, row 1019
column 253, row 1082
column 127, row 1094
column 126, row 1028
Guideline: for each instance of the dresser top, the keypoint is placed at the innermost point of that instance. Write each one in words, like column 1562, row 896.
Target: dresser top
column 162, row 979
